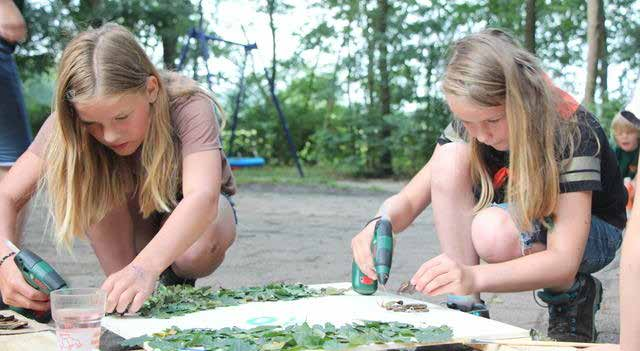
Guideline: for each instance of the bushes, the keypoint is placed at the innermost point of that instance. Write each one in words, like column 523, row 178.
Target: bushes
column 325, row 132
column 349, row 141
column 354, row 143
column 38, row 93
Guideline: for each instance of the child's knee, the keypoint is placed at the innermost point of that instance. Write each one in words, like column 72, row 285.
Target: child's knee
column 203, row 257
column 227, row 238
column 495, row 236
column 226, row 224
column 199, row 263
column 451, row 167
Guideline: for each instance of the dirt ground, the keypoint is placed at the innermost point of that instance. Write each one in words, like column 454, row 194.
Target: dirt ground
column 303, row 233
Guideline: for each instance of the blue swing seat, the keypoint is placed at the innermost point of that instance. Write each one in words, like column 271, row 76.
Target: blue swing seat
column 242, row 162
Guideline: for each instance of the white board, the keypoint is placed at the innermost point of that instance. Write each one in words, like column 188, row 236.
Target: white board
column 337, row 310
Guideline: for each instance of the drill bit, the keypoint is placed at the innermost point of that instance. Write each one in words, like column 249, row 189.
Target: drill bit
column 11, row 246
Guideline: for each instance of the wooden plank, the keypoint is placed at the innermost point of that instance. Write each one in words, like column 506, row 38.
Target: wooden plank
column 495, row 347
column 42, row 341
column 521, row 342
column 36, row 336
column 32, row 326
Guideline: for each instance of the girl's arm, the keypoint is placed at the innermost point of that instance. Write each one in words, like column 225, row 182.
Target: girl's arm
column 201, row 179
column 554, row 267
column 16, row 188
column 402, row 209
column 629, row 286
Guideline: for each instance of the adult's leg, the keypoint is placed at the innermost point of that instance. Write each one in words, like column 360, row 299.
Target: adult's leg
column 15, row 132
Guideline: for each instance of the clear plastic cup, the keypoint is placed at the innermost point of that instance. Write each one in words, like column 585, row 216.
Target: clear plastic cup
column 77, row 314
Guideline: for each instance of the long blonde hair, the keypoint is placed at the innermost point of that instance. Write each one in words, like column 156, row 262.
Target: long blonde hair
column 491, row 69
column 85, row 179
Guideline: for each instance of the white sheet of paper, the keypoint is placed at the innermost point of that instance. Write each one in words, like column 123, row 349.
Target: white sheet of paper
column 337, row 310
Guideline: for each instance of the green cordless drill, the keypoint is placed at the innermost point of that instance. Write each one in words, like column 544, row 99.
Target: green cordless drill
column 40, row 275
column 382, row 249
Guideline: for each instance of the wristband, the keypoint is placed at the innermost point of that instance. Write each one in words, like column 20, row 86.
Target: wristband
column 5, row 257
column 372, row 220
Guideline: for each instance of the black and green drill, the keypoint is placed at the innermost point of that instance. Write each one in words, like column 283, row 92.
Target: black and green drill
column 382, row 249
column 40, row 275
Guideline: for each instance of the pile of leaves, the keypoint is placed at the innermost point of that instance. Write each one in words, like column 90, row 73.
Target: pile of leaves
column 293, row 338
column 178, row 300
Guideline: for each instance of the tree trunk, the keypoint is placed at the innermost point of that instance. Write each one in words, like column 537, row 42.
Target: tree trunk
column 594, row 33
column 89, row 8
column 603, row 57
column 310, row 86
column 386, row 168
column 272, row 8
column 530, row 26
column 169, row 49
column 371, row 80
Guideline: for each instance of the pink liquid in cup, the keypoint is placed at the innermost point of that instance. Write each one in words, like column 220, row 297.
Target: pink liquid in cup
column 77, row 315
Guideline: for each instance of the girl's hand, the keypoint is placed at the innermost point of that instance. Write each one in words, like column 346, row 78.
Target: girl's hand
column 17, row 292
column 441, row 275
column 361, row 248
column 129, row 288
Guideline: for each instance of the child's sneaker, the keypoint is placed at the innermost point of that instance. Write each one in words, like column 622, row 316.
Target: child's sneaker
column 169, row 278
column 477, row 309
column 572, row 313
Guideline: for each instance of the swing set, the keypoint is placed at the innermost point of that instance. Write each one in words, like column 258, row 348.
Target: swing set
column 202, row 39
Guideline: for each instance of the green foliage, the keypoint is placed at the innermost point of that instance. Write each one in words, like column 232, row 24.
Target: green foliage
column 328, row 134
column 52, row 24
column 38, row 94
column 293, row 338
column 356, row 140
column 331, row 89
column 167, row 302
column 608, row 111
column 415, row 136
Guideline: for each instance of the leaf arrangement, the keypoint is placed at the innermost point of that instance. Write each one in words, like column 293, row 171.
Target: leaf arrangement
column 293, row 338
column 178, row 300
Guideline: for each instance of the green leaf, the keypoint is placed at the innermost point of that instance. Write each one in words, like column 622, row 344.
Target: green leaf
column 137, row 341
column 271, row 346
column 240, row 345
column 334, row 345
column 167, row 302
column 434, row 334
column 296, row 337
